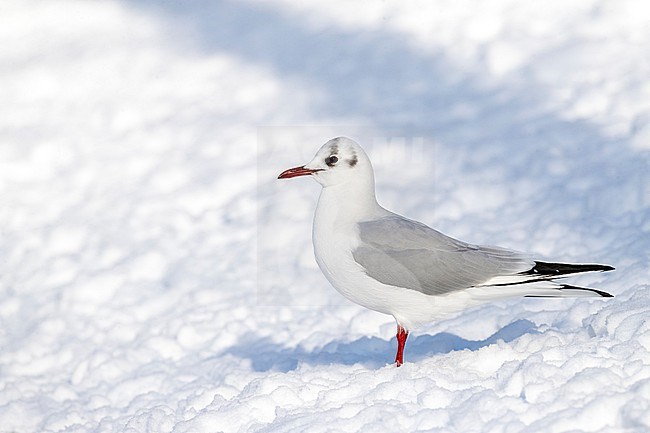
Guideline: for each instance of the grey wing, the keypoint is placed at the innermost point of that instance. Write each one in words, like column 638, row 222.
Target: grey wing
column 405, row 253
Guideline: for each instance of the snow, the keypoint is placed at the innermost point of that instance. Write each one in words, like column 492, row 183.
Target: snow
column 155, row 277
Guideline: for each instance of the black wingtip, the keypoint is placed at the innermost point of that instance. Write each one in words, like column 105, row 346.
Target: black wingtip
column 569, row 287
column 553, row 270
column 588, row 289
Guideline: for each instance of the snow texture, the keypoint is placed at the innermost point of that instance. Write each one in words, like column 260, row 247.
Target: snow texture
column 156, row 277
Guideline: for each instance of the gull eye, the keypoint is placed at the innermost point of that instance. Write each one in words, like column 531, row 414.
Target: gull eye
column 331, row 160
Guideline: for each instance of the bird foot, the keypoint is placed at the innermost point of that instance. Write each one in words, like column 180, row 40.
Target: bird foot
column 402, row 334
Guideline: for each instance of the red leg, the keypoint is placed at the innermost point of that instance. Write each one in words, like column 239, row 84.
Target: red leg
column 401, row 341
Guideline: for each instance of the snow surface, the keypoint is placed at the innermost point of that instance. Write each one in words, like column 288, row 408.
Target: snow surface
column 155, row 277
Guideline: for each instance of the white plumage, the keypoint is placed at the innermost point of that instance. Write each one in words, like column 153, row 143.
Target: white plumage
column 397, row 266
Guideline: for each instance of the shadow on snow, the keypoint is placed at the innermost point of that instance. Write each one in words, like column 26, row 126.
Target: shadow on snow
column 372, row 352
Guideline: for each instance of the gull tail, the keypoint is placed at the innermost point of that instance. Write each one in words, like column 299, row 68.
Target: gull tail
column 544, row 271
column 537, row 282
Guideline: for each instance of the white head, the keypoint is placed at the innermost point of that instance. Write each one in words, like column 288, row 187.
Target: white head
column 340, row 161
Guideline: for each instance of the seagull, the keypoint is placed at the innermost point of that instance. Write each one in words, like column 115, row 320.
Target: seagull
column 397, row 266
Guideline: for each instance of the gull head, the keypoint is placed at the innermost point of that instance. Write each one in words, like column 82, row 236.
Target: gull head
column 340, row 160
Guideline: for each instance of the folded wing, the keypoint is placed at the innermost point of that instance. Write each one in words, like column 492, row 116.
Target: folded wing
column 405, row 253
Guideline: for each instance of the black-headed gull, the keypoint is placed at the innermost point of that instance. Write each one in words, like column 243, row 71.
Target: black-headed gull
column 397, row 266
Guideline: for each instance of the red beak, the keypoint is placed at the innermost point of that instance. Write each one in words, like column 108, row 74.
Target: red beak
column 297, row 171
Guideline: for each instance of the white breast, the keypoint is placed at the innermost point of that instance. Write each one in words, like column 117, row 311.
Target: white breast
column 335, row 236
column 333, row 251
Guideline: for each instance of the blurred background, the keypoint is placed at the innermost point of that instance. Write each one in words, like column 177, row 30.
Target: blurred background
column 143, row 233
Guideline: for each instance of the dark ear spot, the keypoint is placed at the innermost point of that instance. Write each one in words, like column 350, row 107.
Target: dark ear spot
column 353, row 161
